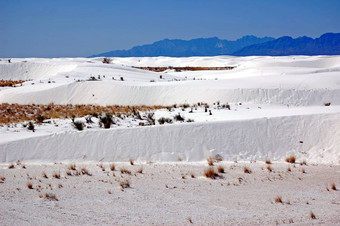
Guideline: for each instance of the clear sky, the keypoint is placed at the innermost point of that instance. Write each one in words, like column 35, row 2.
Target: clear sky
column 70, row 28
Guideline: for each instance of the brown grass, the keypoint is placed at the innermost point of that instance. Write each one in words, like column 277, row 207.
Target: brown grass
column 12, row 166
column 333, row 187
column 278, row 199
column 60, row 185
column 291, row 159
column 210, row 173
column 14, row 113
column 312, row 215
column 303, row 163
column 56, row 175
column 303, row 170
column 2, row 179
column 126, row 171
column 267, row 161
column 269, row 168
column 52, row 197
column 30, row 185
column 140, row 170
column 125, row 184
column 220, row 169
column 131, row 162
column 68, row 173
column 11, row 83
column 85, row 171
column 289, row 169
column 247, row 170
column 212, row 160
column 112, row 167
column 44, row 175
column 72, row 167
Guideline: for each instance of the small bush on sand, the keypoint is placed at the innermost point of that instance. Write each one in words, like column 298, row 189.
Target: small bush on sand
column 11, row 166
column 210, row 173
column 291, row 159
column 51, row 197
column 333, row 187
column 112, row 167
column 106, row 120
column 31, row 126
column 30, row 185
column 56, row 175
column 312, row 215
column 163, row 120
column 106, row 60
column 79, row 125
column 278, row 199
column 131, row 161
column 267, row 161
column 220, row 169
column 72, row 167
column 269, row 168
column 247, row 170
column 178, row 117
column 85, row 171
column 126, row 171
column 44, row 175
column 125, row 184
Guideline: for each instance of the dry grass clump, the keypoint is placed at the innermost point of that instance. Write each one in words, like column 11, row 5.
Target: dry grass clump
column 12, row 113
column 220, row 169
column 267, row 161
column 72, row 167
column 12, row 166
column 85, row 171
column 291, row 159
column 333, row 187
column 44, row 175
column 2, row 179
column 68, row 173
column 312, row 215
column 210, row 173
column 278, row 199
column 126, row 171
column 11, row 83
column 51, row 197
column 247, row 170
column 140, row 170
column 125, row 184
column 56, row 175
column 112, row 167
column 303, row 170
column 212, row 160
column 289, row 169
column 131, row 161
column 269, row 168
column 60, row 185
column 30, row 185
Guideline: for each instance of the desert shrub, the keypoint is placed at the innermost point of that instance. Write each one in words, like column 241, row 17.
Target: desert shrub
column 178, row 117
column 210, row 173
column 112, row 167
column 131, row 162
column 106, row 60
column 31, row 126
column 51, row 197
column 56, row 175
column 220, row 169
column 126, row 171
column 247, row 170
column 291, row 159
column 30, row 185
column 333, row 187
column 278, row 199
column 163, row 120
column 88, row 119
column 269, row 168
column 312, row 215
column 190, row 120
column 40, row 119
column 72, row 167
column 79, row 125
column 267, row 161
column 11, row 166
column 125, row 184
column 106, row 120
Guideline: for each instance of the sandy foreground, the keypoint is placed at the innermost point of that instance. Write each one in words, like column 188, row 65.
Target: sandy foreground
column 169, row 194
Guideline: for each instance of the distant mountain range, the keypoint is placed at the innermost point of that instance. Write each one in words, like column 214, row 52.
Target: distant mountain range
column 327, row 44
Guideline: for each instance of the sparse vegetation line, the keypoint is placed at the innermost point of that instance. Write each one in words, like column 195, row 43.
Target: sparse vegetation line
column 13, row 113
column 161, row 69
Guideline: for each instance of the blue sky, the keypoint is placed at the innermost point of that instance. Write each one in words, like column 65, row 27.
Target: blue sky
column 70, row 28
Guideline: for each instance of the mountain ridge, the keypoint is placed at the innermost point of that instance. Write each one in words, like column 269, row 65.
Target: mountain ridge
column 326, row 44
